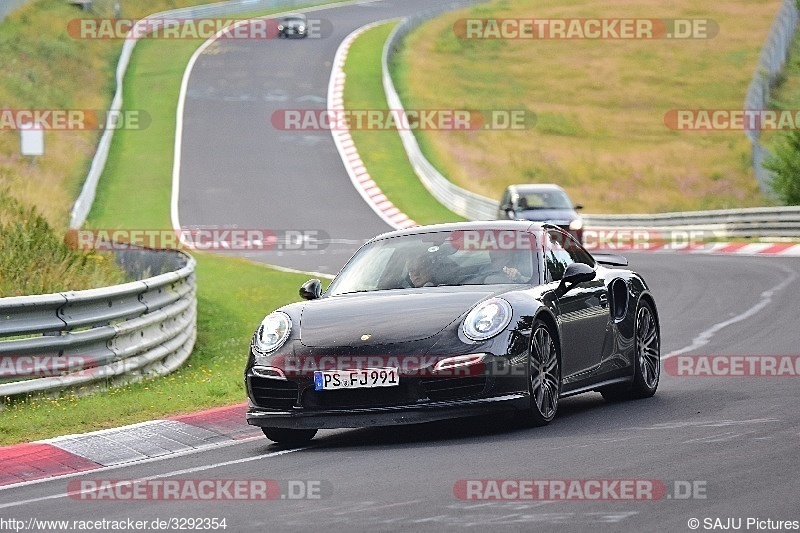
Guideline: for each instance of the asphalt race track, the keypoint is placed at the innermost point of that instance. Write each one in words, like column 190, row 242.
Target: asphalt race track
column 239, row 170
column 732, row 440
column 735, row 439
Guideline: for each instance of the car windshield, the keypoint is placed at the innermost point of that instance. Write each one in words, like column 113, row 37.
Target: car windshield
column 462, row 257
column 294, row 19
column 543, row 200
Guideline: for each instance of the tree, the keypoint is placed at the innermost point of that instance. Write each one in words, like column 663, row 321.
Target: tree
column 785, row 165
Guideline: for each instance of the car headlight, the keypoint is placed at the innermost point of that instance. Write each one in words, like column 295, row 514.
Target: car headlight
column 301, row 29
column 576, row 224
column 487, row 319
column 280, row 27
column 273, row 331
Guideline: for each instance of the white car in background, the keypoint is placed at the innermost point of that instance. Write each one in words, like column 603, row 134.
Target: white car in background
column 542, row 202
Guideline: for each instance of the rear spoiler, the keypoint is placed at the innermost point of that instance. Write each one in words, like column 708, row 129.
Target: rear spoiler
column 610, row 259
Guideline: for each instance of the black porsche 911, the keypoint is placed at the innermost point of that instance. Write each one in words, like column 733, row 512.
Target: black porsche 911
column 454, row 320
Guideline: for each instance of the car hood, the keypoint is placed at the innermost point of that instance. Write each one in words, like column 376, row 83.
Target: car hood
column 389, row 317
column 548, row 215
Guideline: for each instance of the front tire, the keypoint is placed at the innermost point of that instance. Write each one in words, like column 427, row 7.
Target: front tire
column 647, row 358
column 288, row 436
column 544, row 376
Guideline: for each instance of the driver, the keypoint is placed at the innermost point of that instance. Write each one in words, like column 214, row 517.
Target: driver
column 421, row 271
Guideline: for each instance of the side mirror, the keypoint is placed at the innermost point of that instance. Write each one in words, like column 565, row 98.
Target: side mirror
column 311, row 289
column 575, row 273
column 578, row 207
column 511, row 214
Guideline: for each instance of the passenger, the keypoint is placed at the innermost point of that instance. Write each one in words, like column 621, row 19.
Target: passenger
column 506, row 267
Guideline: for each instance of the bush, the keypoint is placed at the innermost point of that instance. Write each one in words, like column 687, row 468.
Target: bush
column 786, row 167
column 35, row 260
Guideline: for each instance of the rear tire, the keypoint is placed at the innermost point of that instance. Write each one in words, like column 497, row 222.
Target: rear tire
column 288, row 436
column 544, row 376
column 647, row 359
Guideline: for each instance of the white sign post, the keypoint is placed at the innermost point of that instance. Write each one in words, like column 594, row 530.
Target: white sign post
column 31, row 141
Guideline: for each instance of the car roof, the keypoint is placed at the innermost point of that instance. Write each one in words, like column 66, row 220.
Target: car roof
column 510, row 225
column 535, row 187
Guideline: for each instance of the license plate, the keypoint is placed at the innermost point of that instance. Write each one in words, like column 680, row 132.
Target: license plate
column 356, row 379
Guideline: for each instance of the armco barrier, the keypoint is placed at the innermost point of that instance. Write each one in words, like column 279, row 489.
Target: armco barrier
column 729, row 223
column 747, row 223
column 82, row 206
column 770, row 63
column 461, row 201
column 148, row 327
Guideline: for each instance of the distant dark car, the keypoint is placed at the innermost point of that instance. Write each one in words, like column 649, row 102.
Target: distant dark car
column 295, row 25
column 449, row 321
column 542, row 203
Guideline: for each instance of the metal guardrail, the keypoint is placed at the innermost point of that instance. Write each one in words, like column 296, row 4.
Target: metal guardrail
column 148, row 327
column 729, row 223
column 747, row 223
column 461, row 201
column 770, row 63
column 53, row 341
column 82, row 206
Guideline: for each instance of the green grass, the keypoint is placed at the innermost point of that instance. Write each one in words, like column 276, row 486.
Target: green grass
column 783, row 144
column 43, row 67
column 600, row 104
column 381, row 150
column 233, row 294
column 786, row 93
column 140, row 161
column 34, row 259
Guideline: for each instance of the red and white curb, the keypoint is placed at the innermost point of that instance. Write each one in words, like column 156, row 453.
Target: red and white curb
column 716, row 248
column 358, row 173
column 384, row 208
column 73, row 454
column 766, row 249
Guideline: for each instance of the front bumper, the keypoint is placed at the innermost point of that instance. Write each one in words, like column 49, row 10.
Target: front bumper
column 299, row 418
column 292, row 32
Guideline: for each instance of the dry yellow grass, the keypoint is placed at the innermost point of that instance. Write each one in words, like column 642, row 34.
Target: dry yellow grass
column 44, row 68
column 600, row 104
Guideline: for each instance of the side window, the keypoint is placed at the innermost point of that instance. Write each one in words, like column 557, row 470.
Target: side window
column 556, row 258
column 506, row 198
column 576, row 251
